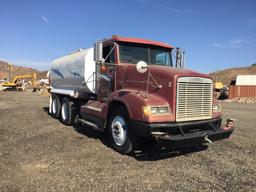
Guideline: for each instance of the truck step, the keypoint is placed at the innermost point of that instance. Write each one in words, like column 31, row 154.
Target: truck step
column 90, row 124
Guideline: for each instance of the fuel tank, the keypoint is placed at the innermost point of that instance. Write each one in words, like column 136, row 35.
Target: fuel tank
column 74, row 72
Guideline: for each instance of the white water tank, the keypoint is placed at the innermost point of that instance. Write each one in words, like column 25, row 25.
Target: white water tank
column 74, row 72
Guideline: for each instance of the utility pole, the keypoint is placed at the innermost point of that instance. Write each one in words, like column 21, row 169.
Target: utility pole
column 215, row 75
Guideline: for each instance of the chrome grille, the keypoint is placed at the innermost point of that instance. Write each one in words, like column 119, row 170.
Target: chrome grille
column 194, row 99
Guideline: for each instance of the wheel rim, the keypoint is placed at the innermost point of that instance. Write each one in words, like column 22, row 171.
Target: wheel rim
column 118, row 128
column 54, row 105
column 64, row 111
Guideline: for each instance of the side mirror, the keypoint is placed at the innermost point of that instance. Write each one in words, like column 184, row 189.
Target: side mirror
column 142, row 66
column 98, row 52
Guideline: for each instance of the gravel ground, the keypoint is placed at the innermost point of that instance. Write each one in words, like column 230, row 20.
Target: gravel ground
column 38, row 153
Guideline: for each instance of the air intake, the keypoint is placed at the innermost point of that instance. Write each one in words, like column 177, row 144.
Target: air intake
column 194, row 99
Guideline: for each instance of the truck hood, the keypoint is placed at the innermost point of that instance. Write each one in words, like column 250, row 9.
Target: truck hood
column 167, row 77
column 173, row 72
column 161, row 89
column 163, row 75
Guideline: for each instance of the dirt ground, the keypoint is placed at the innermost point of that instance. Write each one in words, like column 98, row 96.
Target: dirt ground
column 38, row 153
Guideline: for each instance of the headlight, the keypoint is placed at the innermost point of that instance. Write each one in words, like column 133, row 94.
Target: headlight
column 155, row 110
column 216, row 108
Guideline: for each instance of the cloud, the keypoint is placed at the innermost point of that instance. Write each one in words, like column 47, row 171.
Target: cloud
column 234, row 43
column 238, row 41
column 45, row 19
column 216, row 44
column 175, row 10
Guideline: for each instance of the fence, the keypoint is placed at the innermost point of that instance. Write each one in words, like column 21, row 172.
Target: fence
column 242, row 91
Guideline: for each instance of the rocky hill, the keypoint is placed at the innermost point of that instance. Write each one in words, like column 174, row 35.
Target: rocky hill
column 227, row 75
column 18, row 70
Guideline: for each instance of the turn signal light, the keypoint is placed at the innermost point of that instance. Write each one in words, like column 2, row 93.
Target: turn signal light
column 103, row 68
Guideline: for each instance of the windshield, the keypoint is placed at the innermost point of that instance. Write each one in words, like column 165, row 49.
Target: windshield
column 133, row 53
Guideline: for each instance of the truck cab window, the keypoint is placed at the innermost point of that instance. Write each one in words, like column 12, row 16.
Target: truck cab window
column 111, row 57
column 153, row 55
column 160, row 58
column 133, row 53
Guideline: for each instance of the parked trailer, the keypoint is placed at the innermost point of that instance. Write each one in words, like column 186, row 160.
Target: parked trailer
column 130, row 88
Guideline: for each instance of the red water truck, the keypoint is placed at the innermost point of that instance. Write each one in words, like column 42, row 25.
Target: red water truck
column 131, row 89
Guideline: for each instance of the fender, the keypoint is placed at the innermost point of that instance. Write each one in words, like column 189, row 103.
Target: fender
column 98, row 112
column 131, row 100
column 134, row 102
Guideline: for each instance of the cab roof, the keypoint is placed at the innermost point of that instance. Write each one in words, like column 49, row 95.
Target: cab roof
column 139, row 40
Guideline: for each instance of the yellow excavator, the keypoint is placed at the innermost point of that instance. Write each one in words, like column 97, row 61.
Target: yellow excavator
column 15, row 85
column 220, row 90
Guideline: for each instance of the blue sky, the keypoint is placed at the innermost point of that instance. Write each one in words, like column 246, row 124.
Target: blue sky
column 215, row 34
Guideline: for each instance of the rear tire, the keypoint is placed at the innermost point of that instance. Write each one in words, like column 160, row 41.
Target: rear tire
column 55, row 107
column 68, row 111
column 121, row 136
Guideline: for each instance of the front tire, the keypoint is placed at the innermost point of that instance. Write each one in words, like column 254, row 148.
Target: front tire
column 67, row 111
column 121, row 136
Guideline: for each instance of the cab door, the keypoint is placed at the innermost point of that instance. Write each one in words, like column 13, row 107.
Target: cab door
column 105, row 75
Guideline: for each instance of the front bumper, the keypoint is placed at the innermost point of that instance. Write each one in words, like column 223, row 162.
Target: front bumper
column 183, row 134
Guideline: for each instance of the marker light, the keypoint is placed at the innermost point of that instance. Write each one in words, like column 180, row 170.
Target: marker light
column 216, row 108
